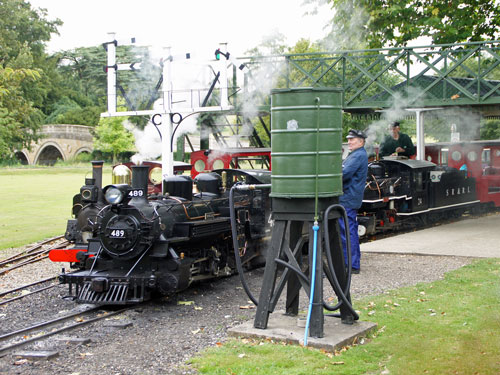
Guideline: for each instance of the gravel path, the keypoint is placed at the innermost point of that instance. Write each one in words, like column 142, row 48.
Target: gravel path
column 167, row 332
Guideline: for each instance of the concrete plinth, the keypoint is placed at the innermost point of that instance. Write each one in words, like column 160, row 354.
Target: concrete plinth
column 284, row 328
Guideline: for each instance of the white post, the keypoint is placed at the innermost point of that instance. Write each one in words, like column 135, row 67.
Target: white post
column 224, row 101
column 420, row 135
column 111, row 73
column 166, row 123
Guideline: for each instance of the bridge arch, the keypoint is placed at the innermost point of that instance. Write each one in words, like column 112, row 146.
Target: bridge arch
column 48, row 153
column 59, row 141
column 22, row 157
column 82, row 150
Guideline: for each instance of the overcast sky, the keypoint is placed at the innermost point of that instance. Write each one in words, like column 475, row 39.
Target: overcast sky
column 185, row 25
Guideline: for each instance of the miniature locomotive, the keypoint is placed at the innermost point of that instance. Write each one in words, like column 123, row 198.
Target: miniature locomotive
column 405, row 191
column 130, row 245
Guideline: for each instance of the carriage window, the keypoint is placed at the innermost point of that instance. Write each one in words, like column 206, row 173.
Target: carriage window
column 199, row 165
column 456, row 155
column 218, row 164
column 472, row 155
column 155, row 175
column 443, row 157
column 486, row 157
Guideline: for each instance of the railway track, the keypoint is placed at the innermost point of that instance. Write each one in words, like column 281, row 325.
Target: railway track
column 25, row 287
column 33, row 254
column 41, row 331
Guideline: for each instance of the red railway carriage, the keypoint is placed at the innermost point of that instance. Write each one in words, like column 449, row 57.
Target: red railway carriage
column 481, row 160
column 207, row 160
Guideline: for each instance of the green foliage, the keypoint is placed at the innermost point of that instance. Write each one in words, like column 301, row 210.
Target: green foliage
column 382, row 23
column 23, row 32
column 111, row 136
column 490, row 129
column 18, row 119
column 67, row 111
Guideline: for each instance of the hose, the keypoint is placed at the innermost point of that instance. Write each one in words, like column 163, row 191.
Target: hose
column 234, row 234
column 336, row 286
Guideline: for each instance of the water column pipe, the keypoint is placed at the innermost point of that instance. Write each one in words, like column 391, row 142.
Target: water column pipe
column 315, row 228
column 167, row 157
column 420, row 135
column 419, row 115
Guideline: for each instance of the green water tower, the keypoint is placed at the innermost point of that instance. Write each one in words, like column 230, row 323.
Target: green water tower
column 306, row 148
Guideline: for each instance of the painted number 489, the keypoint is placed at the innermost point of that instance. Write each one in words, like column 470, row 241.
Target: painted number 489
column 118, row 233
column 136, row 193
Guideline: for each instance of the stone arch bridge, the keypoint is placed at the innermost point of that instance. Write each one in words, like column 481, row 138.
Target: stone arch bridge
column 58, row 142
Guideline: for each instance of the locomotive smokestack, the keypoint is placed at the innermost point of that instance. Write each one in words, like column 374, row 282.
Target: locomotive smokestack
column 97, row 172
column 97, row 176
column 140, row 179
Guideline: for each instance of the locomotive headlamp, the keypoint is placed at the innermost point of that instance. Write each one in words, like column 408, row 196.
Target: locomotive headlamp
column 121, row 193
column 115, row 194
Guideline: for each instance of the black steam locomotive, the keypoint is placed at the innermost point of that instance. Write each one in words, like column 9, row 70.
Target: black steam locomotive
column 409, row 192
column 130, row 245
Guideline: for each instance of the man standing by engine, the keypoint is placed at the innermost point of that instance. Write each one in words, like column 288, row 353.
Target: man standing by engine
column 397, row 143
column 354, row 171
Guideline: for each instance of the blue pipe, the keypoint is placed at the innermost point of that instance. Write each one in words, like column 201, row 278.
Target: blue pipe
column 313, row 279
column 315, row 225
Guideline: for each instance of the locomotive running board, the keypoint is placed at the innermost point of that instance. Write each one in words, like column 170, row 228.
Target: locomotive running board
column 437, row 208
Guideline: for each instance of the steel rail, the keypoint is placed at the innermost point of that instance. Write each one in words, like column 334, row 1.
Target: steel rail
column 39, row 257
column 28, row 285
column 32, row 249
column 36, row 256
column 7, row 348
column 28, row 294
column 46, row 323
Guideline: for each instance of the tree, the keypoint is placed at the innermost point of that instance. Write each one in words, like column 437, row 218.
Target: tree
column 22, row 28
column 111, row 136
column 18, row 119
column 383, row 23
column 23, row 32
column 490, row 129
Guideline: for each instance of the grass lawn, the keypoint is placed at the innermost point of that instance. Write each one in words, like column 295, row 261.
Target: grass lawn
column 36, row 201
column 451, row 326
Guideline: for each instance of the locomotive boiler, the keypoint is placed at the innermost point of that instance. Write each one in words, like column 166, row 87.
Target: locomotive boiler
column 130, row 245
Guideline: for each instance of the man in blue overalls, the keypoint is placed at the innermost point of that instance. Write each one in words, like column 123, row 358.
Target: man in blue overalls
column 354, row 171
